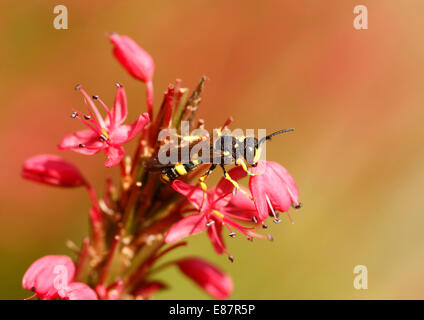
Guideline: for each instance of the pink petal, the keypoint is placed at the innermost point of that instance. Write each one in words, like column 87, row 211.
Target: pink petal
column 46, row 274
column 52, row 170
column 240, row 205
column 211, row 279
column 224, row 186
column 119, row 110
column 125, row 133
column 273, row 181
column 217, row 243
column 114, row 156
column 79, row 291
column 133, row 58
column 84, row 137
column 190, row 225
column 193, row 194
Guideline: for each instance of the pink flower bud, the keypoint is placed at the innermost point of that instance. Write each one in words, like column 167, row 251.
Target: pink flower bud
column 133, row 58
column 210, row 278
column 79, row 291
column 52, row 170
column 49, row 275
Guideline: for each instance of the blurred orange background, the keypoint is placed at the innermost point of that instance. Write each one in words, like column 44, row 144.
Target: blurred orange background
column 354, row 97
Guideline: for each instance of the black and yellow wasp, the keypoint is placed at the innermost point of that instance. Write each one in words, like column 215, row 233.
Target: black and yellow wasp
column 227, row 149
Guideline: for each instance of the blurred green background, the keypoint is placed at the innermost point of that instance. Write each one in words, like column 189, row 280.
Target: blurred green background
column 354, row 97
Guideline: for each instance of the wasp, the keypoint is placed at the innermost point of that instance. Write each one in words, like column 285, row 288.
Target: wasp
column 227, row 149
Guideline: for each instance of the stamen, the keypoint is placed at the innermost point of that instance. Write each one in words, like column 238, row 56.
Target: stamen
column 210, row 223
column 270, row 206
column 219, row 214
column 74, row 115
column 276, row 221
column 78, row 86
column 87, row 117
column 264, row 226
column 93, row 107
column 231, row 258
column 232, row 234
column 95, row 128
column 297, row 205
column 104, row 106
column 254, row 219
column 95, row 97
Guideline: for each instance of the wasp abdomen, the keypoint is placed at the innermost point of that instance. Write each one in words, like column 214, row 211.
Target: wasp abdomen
column 178, row 170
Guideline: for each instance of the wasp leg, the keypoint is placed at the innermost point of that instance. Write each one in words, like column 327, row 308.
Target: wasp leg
column 202, row 183
column 240, row 162
column 235, row 183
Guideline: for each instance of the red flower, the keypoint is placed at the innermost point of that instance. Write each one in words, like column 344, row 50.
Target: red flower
column 50, row 277
column 107, row 134
column 216, row 283
column 136, row 61
column 219, row 209
column 273, row 188
column 52, row 170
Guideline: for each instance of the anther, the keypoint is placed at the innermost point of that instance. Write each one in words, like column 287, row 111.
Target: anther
column 102, row 138
column 232, row 234
column 254, row 219
column 138, row 184
column 210, row 223
column 250, row 239
column 118, row 85
column 81, row 145
column 95, row 97
column 231, row 258
column 277, row 221
column 297, row 206
column 270, row 237
column 74, row 115
column 87, row 117
column 78, row 86
column 264, row 226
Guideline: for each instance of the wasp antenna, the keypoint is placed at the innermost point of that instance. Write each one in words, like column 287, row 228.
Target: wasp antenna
column 268, row 137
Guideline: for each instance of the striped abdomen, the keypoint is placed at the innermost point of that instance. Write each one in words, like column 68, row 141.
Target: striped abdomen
column 180, row 169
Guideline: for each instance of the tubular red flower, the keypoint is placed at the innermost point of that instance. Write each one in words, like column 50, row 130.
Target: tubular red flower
column 52, row 170
column 41, row 275
column 211, row 279
column 107, row 134
column 273, row 188
column 136, row 61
